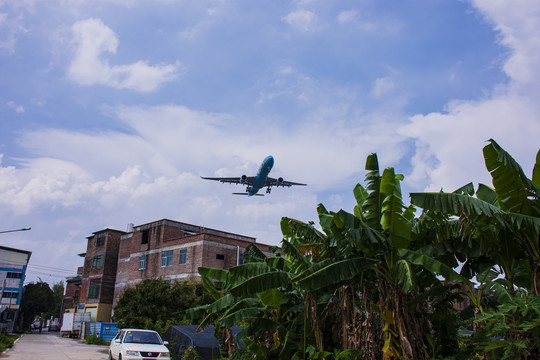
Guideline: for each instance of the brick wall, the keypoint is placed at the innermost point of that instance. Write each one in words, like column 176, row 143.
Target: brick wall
column 103, row 244
column 204, row 248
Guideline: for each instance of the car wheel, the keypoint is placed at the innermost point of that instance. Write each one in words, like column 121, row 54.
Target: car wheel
column 110, row 356
column 119, row 356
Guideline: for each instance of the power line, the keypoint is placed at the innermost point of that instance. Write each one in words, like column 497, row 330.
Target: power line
column 8, row 231
column 44, row 267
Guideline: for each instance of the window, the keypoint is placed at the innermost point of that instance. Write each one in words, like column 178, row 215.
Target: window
column 241, row 259
column 166, row 258
column 100, row 239
column 10, row 295
column 145, row 236
column 93, row 289
column 183, row 256
column 142, row 262
column 14, row 275
column 220, row 256
column 97, row 261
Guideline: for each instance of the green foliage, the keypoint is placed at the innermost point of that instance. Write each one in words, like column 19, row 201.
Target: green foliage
column 37, row 300
column 241, row 353
column 6, row 342
column 95, row 340
column 190, row 354
column 347, row 354
column 58, row 295
column 155, row 304
column 511, row 330
column 382, row 283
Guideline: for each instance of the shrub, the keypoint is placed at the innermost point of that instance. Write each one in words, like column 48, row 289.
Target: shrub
column 7, row 341
column 95, row 340
column 190, row 354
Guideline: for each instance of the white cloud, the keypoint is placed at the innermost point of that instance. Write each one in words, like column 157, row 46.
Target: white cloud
column 94, row 39
column 347, row 16
column 519, row 27
column 382, row 86
column 19, row 109
column 11, row 27
column 448, row 144
column 302, row 20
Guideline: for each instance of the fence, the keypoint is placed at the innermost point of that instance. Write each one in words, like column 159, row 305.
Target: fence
column 105, row 331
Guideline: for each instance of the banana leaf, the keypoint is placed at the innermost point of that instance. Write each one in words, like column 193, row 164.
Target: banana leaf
column 336, row 273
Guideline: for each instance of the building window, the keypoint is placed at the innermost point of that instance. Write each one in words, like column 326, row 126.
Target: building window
column 93, row 289
column 183, row 256
column 10, row 295
column 100, row 239
column 14, row 275
column 166, row 258
column 145, row 236
column 241, row 259
column 142, row 262
column 97, row 261
column 220, row 256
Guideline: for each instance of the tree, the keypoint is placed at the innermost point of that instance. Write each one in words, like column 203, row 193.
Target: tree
column 502, row 224
column 155, row 304
column 496, row 235
column 382, row 282
column 348, row 287
column 37, row 300
column 58, row 294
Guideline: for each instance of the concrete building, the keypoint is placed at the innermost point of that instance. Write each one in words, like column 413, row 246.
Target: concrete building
column 172, row 250
column 13, row 264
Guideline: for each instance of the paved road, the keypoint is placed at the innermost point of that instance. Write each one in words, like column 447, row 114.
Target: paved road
column 48, row 346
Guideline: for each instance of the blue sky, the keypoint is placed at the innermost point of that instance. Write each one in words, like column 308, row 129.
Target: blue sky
column 110, row 111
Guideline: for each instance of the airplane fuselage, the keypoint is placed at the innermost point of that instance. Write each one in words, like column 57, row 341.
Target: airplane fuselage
column 255, row 183
column 262, row 175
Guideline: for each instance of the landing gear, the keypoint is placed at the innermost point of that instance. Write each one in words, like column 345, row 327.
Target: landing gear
column 248, row 189
column 268, row 189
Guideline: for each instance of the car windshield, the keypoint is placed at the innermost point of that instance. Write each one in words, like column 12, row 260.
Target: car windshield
column 142, row 337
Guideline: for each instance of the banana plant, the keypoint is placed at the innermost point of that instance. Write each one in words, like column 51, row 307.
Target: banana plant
column 503, row 222
column 258, row 296
column 368, row 255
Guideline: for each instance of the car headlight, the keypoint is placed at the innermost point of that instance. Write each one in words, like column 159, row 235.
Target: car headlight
column 165, row 354
column 132, row 353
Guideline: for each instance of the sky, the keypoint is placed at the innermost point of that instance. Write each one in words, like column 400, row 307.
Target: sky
column 110, row 111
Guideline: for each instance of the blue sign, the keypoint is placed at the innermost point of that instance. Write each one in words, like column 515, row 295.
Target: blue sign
column 81, row 306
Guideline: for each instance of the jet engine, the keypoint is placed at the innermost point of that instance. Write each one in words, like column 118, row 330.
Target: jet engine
column 243, row 179
column 280, row 182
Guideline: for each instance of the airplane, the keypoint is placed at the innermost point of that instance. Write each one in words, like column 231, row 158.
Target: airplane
column 255, row 183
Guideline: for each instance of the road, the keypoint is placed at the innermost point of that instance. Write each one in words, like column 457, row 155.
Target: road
column 50, row 346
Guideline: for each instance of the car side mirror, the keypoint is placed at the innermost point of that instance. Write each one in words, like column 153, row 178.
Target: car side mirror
column 118, row 341
column 166, row 343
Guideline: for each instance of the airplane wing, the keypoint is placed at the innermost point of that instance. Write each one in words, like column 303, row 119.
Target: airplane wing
column 280, row 182
column 244, row 180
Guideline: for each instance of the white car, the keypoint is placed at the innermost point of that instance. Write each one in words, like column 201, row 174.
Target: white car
column 131, row 344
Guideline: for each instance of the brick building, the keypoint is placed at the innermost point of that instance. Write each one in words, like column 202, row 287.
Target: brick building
column 99, row 274
column 72, row 293
column 172, row 250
